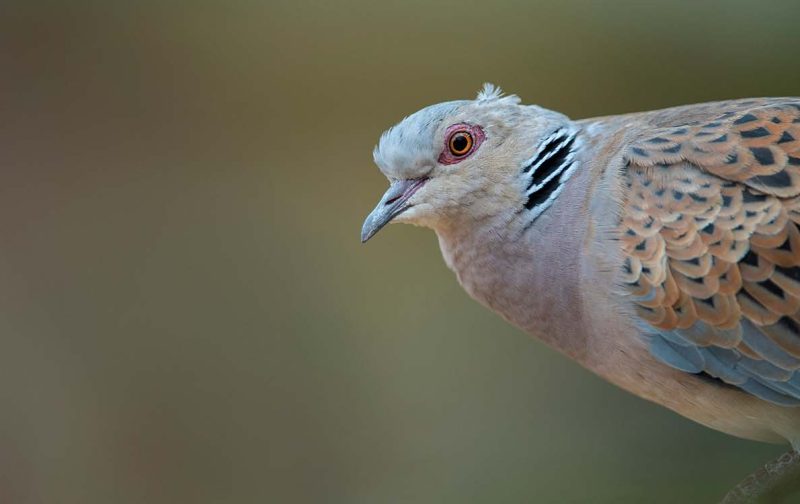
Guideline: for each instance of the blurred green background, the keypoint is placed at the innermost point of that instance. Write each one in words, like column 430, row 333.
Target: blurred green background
column 186, row 312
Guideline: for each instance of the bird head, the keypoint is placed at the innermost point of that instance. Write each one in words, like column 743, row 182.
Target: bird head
column 461, row 161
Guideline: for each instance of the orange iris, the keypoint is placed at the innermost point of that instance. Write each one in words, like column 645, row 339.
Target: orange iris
column 460, row 143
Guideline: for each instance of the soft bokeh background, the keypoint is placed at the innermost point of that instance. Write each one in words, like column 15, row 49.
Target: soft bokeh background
column 186, row 313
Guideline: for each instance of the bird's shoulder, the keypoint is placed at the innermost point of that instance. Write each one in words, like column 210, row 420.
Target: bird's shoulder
column 752, row 142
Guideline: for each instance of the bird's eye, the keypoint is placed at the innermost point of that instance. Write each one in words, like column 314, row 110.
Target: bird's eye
column 460, row 143
column 461, row 140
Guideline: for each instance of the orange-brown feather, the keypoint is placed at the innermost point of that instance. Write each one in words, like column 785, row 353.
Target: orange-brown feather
column 710, row 223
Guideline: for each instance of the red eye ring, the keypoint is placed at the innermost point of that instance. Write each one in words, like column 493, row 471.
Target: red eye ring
column 460, row 141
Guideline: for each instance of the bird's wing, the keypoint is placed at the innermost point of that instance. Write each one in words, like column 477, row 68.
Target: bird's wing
column 709, row 230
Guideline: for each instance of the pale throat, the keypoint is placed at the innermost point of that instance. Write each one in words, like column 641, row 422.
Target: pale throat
column 522, row 273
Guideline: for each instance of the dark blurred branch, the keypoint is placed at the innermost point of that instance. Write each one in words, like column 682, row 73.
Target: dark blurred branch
column 773, row 483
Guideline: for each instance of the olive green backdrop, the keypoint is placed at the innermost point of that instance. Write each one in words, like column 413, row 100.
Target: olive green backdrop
column 187, row 315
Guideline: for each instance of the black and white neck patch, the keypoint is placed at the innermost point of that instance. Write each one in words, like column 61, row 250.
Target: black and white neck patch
column 547, row 170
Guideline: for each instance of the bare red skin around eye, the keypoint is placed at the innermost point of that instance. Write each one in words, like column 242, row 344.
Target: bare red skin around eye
column 447, row 157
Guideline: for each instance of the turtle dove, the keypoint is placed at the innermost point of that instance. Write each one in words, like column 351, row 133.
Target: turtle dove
column 660, row 250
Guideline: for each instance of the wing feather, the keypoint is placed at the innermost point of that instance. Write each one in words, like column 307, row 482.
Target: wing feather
column 712, row 244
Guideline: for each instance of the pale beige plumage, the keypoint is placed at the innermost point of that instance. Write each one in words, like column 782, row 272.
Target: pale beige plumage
column 660, row 250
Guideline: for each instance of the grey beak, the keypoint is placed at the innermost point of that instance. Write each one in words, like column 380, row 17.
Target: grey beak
column 392, row 204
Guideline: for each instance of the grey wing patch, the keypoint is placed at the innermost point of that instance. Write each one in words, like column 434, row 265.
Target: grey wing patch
column 771, row 373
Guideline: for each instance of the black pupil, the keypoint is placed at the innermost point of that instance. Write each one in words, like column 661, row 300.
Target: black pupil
column 460, row 143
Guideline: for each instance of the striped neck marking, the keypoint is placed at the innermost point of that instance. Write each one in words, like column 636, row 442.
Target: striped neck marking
column 548, row 169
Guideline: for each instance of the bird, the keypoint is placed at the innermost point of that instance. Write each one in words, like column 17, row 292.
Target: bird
column 660, row 249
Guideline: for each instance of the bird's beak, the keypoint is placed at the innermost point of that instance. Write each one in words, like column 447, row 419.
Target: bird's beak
column 393, row 203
